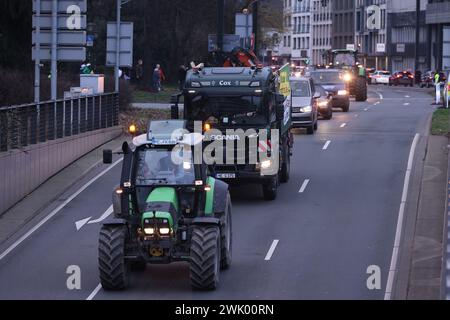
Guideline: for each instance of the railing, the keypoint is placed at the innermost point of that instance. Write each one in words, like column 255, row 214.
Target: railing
column 30, row 124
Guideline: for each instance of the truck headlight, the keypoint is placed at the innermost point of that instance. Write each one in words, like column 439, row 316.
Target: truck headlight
column 306, row 109
column 266, row 164
column 348, row 77
column 323, row 104
column 342, row 92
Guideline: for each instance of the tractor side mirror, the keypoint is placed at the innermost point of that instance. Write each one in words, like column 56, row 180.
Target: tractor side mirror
column 316, row 95
column 107, row 156
column 126, row 148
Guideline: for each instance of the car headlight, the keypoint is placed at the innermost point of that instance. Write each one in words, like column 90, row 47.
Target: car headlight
column 323, row 103
column 266, row 164
column 306, row 109
column 342, row 92
column 348, row 77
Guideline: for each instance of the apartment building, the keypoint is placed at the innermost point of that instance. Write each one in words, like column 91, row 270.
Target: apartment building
column 321, row 30
column 343, row 24
column 437, row 16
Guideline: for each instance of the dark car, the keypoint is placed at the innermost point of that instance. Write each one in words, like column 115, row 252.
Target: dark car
column 427, row 80
column 324, row 103
column 333, row 82
column 405, row 78
column 304, row 104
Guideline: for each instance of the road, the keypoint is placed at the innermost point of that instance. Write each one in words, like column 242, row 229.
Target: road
column 336, row 216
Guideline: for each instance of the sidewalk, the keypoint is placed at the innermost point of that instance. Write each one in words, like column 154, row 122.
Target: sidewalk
column 12, row 220
column 421, row 256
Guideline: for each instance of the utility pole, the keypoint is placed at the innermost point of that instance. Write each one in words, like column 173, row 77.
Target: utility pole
column 116, row 67
column 416, row 57
column 220, row 24
column 37, row 62
column 54, row 72
column 255, row 26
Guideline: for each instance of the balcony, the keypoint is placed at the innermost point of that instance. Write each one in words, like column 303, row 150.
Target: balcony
column 302, row 29
column 302, row 10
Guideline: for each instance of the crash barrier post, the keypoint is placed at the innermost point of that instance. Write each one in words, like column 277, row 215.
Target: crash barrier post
column 29, row 124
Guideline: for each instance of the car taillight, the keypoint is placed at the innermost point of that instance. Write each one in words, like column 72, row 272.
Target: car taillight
column 411, row 76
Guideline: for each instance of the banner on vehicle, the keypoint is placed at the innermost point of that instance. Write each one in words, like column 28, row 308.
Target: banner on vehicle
column 285, row 88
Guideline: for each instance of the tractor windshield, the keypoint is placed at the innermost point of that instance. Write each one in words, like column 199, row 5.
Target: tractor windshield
column 164, row 167
column 344, row 59
column 326, row 77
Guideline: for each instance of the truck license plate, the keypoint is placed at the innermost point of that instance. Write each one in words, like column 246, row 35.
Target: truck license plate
column 226, row 175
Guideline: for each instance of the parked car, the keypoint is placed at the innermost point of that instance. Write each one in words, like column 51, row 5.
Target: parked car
column 304, row 104
column 324, row 103
column 369, row 73
column 405, row 78
column 332, row 81
column 381, row 76
column 427, row 79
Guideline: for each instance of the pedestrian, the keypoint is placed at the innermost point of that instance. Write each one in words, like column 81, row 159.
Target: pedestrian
column 157, row 79
column 437, row 83
column 162, row 77
column 139, row 73
column 181, row 77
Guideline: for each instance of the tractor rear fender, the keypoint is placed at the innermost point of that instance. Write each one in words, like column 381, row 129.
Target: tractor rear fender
column 116, row 202
column 220, row 199
column 115, row 222
column 206, row 220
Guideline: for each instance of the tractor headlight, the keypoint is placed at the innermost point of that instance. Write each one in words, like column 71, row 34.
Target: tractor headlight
column 164, row 231
column 306, row 109
column 323, row 104
column 342, row 92
column 348, row 77
column 149, row 231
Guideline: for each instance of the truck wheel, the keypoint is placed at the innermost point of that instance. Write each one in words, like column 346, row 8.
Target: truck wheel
column 205, row 257
column 346, row 108
column 310, row 130
column 111, row 258
column 286, row 166
column 226, row 238
column 360, row 89
column 270, row 189
column 316, row 125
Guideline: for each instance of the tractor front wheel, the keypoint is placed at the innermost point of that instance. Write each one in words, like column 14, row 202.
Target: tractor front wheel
column 360, row 89
column 111, row 258
column 205, row 257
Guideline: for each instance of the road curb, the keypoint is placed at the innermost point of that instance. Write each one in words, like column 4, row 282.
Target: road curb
column 446, row 240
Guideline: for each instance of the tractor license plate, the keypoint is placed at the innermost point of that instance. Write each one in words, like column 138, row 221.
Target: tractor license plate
column 226, row 175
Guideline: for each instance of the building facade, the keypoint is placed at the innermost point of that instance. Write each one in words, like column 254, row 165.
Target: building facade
column 437, row 17
column 321, row 30
column 343, row 21
column 301, row 32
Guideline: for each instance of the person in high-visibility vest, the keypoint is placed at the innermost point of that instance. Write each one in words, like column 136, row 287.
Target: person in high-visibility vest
column 437, row 83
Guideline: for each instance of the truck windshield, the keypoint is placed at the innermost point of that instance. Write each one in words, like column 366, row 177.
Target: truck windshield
column 326, row 77
column 300, row 89
column 344, row 59
column 228, row 110
column 164, row 167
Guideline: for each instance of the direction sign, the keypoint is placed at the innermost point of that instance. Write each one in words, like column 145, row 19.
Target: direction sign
column 68, row 54
column 45, row 21
column 65, row 38
column 230, row 41
column 63, row 5
column 126, row 44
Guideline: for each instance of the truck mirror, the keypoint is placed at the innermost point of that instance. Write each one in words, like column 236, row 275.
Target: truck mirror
column 174, row 112
column 126, row 148
column 107, row 156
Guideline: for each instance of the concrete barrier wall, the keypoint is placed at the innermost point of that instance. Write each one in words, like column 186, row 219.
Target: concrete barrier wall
column 23, row 170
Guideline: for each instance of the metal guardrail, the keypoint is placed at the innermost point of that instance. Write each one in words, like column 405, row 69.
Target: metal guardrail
column 30, row 124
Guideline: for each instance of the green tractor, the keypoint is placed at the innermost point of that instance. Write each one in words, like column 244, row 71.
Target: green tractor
column 356, row 73
column 166, row 209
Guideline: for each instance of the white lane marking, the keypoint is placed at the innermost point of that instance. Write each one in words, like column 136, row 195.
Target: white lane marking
column 366, row 109
column 398, row 232
column 304, row 185
column 326, row 145
column 94, row 293
column 80, row 223
column 55, row 211
column 105, row 215
column 376, row 103
column 407, row 96
column 406, row 104
column 380, row 95
column 271, row 250
column 343, row 125
column 356, row 115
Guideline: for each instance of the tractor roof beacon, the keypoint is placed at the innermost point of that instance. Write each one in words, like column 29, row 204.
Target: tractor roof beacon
column 349, row 60
column 166, row 209
column 234, row 98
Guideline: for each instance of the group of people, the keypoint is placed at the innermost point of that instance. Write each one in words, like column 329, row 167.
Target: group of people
column 158, row 76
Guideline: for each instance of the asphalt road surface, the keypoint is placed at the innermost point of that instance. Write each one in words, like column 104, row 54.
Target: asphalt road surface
column 336, row 216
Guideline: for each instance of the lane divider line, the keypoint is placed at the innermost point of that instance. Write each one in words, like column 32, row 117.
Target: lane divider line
column 55, row 211
column 94, row 293
column 105, row 215
column 327, row 144
column 304, row 185
column 406, row 104
column 271, row 250
column 401, row 212
column 343, row 125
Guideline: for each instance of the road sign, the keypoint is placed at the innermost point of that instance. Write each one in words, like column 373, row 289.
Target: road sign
column 65, row 38
column 230, row 41
column 381, row 47
column 126, row 44
column 350, row 46
column 63, row 6
column 90, row 40
column 45, row 21
column 67, row 54
column 244, row 27
column 401, row 47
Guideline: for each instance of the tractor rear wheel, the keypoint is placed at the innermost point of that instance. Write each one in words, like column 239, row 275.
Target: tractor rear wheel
column 360, row 89
column 226, row 237
column 111, row 258
column 205, row 257
column 270, row 189
column 286, row 164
